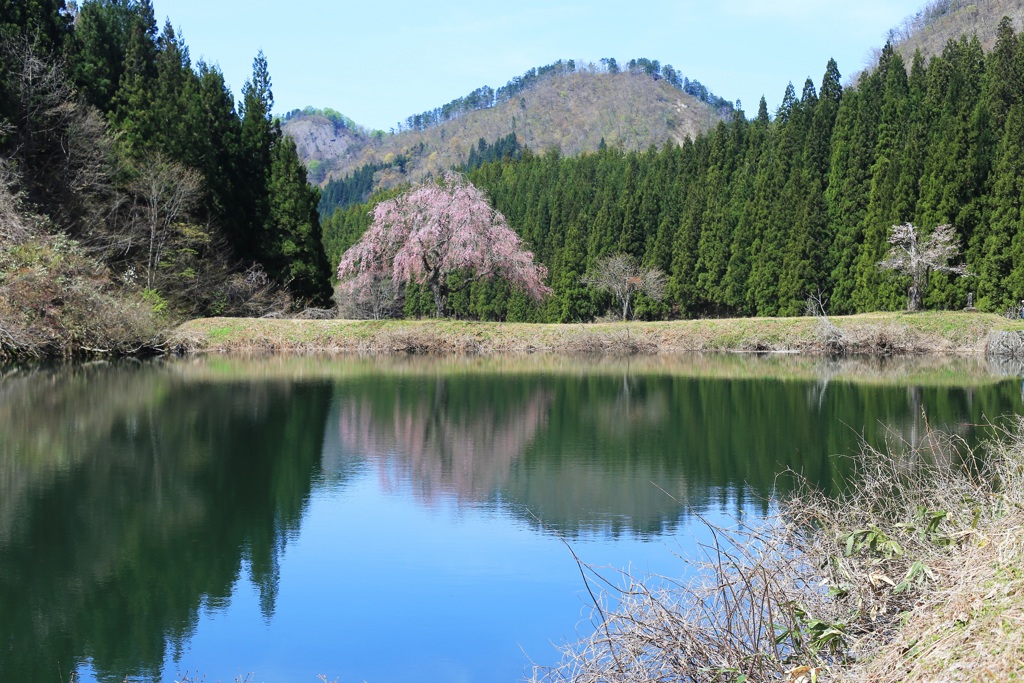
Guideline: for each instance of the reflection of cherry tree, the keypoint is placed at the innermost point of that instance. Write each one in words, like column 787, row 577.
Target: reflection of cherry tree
column 438, row 452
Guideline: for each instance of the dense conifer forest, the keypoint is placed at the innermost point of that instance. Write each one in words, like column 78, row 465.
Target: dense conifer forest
column 133, row 189
column 758, row 214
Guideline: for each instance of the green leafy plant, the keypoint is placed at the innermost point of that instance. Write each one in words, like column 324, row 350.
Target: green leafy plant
column 917, row 575
column 876, row 541
column 154, row 299
column 926, row 525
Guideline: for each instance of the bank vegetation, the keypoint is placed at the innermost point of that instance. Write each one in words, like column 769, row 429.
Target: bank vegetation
column 878, row 334
column 911, row 574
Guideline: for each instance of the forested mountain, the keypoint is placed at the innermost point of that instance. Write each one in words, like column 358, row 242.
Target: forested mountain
column 565, row 106
column 755, row 215
column 132, row 187
column 929, row 29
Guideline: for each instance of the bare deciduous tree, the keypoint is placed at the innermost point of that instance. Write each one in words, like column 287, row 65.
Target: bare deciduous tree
column 165, row 192
column 60, row 146
column 910, row 255
column 623, row 277
column 379, row 298
column 13, row 225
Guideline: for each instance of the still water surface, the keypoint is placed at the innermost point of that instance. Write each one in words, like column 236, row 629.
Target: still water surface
column 395, row 521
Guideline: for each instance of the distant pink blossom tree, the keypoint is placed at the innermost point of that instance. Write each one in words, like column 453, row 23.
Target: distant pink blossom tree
column 435, row 230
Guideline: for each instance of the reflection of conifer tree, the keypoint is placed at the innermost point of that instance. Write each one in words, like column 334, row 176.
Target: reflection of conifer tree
column 181, row 482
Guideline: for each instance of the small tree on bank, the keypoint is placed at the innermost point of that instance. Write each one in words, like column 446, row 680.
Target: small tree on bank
column 620, row 275
column 915, row 257
column 433, row 231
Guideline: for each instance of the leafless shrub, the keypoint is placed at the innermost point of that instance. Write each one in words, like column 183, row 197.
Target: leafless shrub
column 251, row 293
column 379, row 299
column 831, row 338
column 739, row 620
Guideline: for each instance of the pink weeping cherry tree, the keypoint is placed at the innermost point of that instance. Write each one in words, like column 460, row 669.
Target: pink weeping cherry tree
column 434, row 230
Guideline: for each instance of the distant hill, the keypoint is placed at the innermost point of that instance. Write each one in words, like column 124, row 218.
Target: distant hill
column 566, row 108
column 325, row 139
column 937, row 22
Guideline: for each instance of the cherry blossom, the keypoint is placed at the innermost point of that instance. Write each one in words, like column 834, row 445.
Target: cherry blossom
column 435, row 230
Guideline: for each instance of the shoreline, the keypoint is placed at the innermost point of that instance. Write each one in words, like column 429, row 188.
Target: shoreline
column 943, row 333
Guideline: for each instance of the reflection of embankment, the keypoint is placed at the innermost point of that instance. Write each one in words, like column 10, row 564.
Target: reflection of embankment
column 138, row 498
column 441, row 440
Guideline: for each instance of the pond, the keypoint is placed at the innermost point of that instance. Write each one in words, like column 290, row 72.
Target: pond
column 395, row 520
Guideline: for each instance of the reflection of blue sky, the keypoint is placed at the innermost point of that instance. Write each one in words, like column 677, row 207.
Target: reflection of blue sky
column 378, row 587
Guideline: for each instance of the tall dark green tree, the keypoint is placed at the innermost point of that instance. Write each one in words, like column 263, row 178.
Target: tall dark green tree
column 259, row 134
column 133, row 111
column 45, row 24
column 99, row 48
column 296, row 253
column 999, row 266
column 805, row 270
column 873, row 289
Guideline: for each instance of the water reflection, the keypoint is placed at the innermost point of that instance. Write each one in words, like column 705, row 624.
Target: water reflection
column 131, row 500
column 135, row 497
column 611, row 453
column 437, row 437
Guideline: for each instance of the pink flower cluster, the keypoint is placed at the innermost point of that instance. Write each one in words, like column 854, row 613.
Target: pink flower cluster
column 437, row 229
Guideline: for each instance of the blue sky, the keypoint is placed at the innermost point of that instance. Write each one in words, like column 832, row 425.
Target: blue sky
column 378, row 62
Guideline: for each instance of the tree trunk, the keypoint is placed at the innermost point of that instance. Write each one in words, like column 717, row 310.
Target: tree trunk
column 914, row 298
column 440, row 298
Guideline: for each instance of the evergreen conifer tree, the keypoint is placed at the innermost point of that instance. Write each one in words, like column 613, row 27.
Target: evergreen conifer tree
column 296, row 254
column 872, row 289
column 1001, row 263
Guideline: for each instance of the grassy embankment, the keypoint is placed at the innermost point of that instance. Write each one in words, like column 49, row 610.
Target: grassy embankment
column 934, row 332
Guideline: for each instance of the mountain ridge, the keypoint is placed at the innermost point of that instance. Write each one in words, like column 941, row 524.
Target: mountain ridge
column 571, row 110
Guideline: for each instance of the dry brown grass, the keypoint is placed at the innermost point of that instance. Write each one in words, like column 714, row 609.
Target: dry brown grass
column 942, row 20
column 971, row 626
column 966, row 621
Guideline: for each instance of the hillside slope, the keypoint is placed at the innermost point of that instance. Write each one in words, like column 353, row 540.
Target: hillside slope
column 572, row 112
column 319, row 138
column 938, row 21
